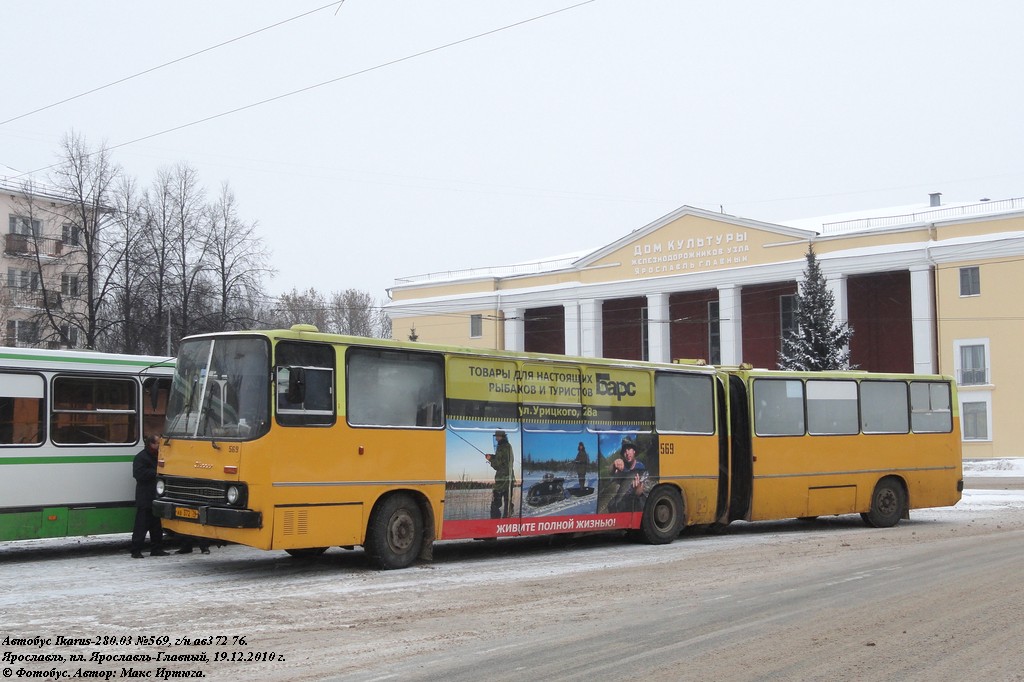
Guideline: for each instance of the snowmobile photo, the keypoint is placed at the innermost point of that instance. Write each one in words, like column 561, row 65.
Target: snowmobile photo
column 547, row 491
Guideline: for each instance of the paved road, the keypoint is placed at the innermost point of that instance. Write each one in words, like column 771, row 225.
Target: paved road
column 927, row 601
column 936, row 598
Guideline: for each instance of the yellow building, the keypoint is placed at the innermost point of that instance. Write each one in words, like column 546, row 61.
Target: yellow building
column 928, row 289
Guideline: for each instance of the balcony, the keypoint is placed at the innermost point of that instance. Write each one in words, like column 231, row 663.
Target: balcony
column 33, row 298
column 972, row 377
column 26, row 245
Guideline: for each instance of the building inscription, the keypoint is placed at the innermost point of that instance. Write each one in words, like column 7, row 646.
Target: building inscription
column 696, row 253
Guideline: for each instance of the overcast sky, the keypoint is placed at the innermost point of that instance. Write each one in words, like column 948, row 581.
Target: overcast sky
column 465, row 133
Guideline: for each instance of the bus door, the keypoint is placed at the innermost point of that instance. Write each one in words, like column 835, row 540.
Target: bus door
column 741, row 464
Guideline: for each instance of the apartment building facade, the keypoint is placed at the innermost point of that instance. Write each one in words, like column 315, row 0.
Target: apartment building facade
column 43, row 269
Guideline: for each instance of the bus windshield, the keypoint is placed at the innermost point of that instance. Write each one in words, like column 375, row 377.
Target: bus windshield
column 220, row 389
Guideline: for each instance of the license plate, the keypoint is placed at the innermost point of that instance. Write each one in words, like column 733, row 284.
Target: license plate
column 186, row 513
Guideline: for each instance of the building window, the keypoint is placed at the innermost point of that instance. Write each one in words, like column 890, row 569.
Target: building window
column 22, row 279
column 22, row 333
column 476, row 326
column 71, row 334
column 970, row 362
column 970, row 281
column 21, row 225
column 714, row 333
column 789, row 306
column 973, row 368
column 645, row 334
column 69, row 285
column 69, row 235
column 975, row 416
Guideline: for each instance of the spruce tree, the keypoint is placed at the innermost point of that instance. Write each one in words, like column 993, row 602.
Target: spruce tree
column 819, row 342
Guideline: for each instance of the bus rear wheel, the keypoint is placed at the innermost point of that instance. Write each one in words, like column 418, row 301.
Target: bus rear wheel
column 888, row 504
column 394, row 536
column 663, row 518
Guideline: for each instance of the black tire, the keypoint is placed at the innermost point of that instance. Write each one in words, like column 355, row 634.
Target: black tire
column 394, row 535
column 306, row 552
column 888, row 504
column 664, row 516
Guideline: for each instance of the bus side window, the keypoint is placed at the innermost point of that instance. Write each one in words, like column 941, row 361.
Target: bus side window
column 779, row 407
column 305, row 384
column 883, row 407
column 685, row 403
column 831, row 407
column 90, row 410
column 394, row 388
column 21, row 409
column 930, row 407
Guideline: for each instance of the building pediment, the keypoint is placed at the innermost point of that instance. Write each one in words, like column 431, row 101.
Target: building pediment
column 691, row 240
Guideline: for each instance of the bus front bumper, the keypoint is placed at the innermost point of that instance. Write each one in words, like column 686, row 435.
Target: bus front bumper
column 222, row 517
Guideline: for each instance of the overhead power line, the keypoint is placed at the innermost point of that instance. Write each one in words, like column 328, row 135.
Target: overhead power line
column 173, row 61
column 335, row 80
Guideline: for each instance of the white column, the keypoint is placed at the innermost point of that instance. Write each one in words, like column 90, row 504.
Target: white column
column 515, row 331
column 658, row 327
column 836, row 284
column 572, row 328
column 922, row 313
column 730, row 313
column 591, row 328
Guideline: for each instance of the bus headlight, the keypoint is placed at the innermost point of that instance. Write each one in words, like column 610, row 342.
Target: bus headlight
column 160, row 487
column 233, row 494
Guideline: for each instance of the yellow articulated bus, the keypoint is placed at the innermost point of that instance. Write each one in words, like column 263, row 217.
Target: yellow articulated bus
column 297, row 440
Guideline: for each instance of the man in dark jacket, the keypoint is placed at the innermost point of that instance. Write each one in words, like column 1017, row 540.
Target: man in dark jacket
column 504, row 476
column 144, row 471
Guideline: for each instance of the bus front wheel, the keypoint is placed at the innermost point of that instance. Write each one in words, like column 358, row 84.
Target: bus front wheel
column 888, row 504
column 664, row 517
column 395, row 533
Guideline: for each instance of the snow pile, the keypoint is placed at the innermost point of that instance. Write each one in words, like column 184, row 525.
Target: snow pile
column 992, row 468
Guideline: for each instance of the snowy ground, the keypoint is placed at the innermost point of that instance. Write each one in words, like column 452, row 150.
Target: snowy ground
column 322, row 618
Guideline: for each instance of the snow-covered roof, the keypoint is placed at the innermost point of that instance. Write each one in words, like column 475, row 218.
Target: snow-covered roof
column 549, row 264
column 903, row 216
column 22, row 187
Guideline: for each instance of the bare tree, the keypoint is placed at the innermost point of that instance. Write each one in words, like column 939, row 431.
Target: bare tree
column 238, row 261
column 85, row 177
column 188, row 263
column 352, row 312
column 295, row 307
column 133, row 271
column 158, row 239
column 130, row 306
column 383, row 324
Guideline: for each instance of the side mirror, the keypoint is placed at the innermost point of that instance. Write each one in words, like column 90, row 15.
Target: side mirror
column 154, row 393
column 296, row 385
